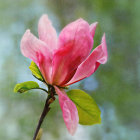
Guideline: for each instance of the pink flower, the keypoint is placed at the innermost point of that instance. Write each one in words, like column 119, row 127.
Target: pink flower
column 66, row 59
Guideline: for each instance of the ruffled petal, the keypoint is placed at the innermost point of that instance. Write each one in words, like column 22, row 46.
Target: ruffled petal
column 47, row 32
column 69, row 110
column 37, row 51
column 75, row 44
column 90, row 65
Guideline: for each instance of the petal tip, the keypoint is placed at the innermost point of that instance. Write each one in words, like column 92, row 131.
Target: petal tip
column 103, row 38
column 81, row 20
column 44, row 19
column 25, row 36
column 73, row 131
column 27, row 32
column 104, row 47
column 44, row 16
column 96, row 23
column 93, row 28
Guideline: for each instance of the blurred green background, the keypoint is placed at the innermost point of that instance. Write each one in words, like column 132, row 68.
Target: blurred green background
column 115, row 86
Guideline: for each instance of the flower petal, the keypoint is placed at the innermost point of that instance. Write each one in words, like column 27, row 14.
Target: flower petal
column 75, row 44
column 38, row 51
column 45, row 66
column 93, row 28
column 69, row 110
column 47, row 33
column 90, row 65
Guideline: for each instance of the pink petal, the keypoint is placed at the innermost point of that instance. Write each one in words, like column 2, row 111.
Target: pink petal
column 47, row 33
column 69, row 110
column 38, row 51
column 75, row 44
column 90, row 65
column 45, row 66
column 93, row 28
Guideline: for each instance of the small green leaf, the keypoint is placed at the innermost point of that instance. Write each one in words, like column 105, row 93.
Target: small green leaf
column 25, row 86
column 88, row 111
column 35, row 71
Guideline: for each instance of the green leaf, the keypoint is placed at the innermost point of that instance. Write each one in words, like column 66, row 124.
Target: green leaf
column 88, row 111
column 25, row 86
column 35, row 71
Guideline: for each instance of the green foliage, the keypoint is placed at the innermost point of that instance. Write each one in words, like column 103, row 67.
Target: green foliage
column 88, row 111
column 35, row 71
column 25, row 86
